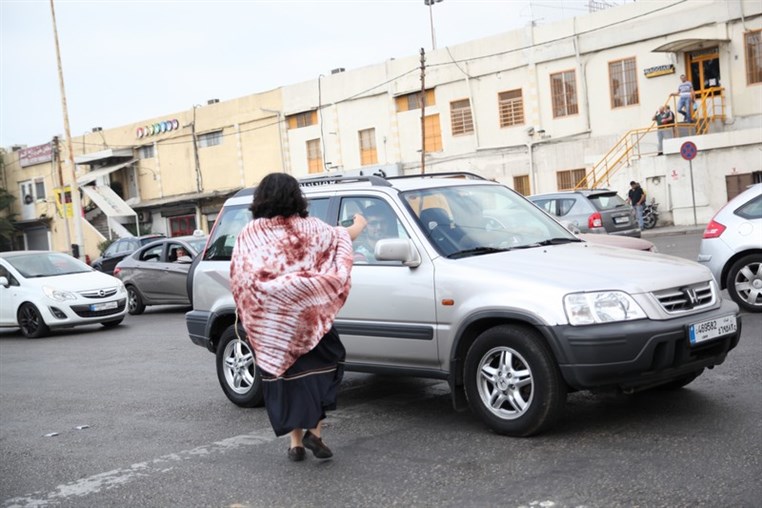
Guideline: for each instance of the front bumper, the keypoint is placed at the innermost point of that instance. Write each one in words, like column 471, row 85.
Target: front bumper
column 638, row 354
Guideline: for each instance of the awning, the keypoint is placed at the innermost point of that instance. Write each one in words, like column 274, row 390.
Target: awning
column 103, row 155
column 192, row 198
column 23, row 225
column 682, row 45
column 108, row 201
column 91, row 176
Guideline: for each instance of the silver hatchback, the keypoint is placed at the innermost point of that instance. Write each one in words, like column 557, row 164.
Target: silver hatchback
column 732, row 248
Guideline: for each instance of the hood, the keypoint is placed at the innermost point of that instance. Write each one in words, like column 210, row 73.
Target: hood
column 588, row 267
column 76, row 281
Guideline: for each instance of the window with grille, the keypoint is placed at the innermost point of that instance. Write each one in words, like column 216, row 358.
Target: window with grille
column 302, row 119
column 753, row 44
column 433, row 134
column 460, row 116
column 623, row 83
column 210, row 139
column 146, row 152
column 566, row 180
column 368, row 154
column 521, row 185
column 412, row 101
column 511, row 106
column 563, row 88
column 182, row 225
column 314, row 156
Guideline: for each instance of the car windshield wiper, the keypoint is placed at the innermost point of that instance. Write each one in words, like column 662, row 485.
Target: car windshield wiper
column 558, row 241
column 476, row 251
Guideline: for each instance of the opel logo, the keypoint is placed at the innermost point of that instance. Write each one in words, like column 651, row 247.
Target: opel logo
column 101, row 293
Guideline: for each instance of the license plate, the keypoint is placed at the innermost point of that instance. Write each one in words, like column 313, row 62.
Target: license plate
column 707, row 330
column 103, row 306
column 621, row 220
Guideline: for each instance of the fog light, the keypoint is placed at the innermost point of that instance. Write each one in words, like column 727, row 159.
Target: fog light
column 57, row 312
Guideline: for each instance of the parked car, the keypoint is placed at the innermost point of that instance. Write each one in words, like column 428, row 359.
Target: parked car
column 476, row 285
column 120, row 249
column 44, row 290
column 625, row 242
column 592, row 211
column 156, row 273
column 732, row 248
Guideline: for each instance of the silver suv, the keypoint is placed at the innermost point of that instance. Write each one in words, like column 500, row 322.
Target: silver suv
column 475, row 285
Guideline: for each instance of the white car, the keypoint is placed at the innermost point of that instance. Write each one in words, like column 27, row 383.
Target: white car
column 42, row 290
column 732, row 248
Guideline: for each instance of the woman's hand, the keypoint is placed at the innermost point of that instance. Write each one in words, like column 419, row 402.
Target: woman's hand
column 357, row 226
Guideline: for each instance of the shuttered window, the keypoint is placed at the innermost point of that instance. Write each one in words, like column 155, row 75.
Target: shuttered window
column 563, row 88
column 368, row 154
column 302, row 119
column 460, row 116
column 521, row 185
column 314, row 156
column 753, row 44
column 623, row 83
column 511, row 105
column 412, row 101
column 433, row 134
column 566, row 180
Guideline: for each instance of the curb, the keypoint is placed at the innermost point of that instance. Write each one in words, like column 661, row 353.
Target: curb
column 672, row 230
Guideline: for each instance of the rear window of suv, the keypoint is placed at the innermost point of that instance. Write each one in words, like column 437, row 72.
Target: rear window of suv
column 607, row 201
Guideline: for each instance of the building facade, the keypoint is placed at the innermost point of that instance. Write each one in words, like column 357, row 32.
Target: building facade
column 543, row 108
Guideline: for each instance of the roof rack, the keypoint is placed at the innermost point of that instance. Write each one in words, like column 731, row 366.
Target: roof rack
column 315, row 181
column 449, row 174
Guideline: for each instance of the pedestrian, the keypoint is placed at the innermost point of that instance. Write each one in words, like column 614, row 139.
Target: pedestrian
column 686, row 96
column 665, row 120
column 290, row 275
column 637, row 197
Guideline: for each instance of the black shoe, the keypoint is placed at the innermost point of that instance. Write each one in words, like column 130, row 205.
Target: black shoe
column 296, row 454
column 316, row 446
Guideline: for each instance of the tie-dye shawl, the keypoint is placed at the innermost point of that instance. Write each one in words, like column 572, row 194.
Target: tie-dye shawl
column 289, row 278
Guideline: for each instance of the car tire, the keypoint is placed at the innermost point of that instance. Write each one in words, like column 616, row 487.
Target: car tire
column 112, row 324
column 680, row 382
column 500, row 356
column 237, row 370
column 30, row 321
column 744, row 282
column 135, row 305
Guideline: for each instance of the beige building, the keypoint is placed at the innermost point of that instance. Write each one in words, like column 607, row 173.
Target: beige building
column 543, row 108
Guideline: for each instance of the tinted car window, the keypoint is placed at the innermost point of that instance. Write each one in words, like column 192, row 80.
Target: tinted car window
column 607, row 201
column 230, row 222
column 152, row 254
column 111, row 250
column 752, row 209
column 319, row 208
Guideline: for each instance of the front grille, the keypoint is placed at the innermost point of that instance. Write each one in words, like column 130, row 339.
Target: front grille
column 99, row 293
column 687, row 298
column 84, row 310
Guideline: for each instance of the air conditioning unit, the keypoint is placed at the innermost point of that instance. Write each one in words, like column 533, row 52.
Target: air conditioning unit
column 144, row 216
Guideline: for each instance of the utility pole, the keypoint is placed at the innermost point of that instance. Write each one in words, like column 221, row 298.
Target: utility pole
column 430, row 3
column 199, row 185
column 75, row 202
column 423, row 111
column 64, row 206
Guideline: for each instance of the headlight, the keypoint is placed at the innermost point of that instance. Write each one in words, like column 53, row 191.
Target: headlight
column 602, row 307
column 57, row 294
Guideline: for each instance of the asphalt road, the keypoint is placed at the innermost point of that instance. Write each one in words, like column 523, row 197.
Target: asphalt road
column 140, row 421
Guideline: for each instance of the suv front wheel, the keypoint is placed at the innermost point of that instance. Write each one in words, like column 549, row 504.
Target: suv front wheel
column 237, row 370
column 512, row 381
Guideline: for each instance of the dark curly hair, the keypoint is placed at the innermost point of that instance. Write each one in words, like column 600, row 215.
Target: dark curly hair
column 278, row 194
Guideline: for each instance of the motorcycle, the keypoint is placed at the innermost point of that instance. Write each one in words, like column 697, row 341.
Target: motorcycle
column 650, row 214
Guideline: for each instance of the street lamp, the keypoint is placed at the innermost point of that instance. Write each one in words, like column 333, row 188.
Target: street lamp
column 430, row 3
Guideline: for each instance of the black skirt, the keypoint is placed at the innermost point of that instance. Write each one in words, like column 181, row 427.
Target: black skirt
column 300, row 397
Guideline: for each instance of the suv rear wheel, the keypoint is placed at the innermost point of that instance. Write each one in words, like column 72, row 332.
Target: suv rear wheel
column 237, row 370
column 512, row 381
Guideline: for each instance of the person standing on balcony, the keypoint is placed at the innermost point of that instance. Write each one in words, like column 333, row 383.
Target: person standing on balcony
column 665, row 120
column 686, row 96
column 637, row 198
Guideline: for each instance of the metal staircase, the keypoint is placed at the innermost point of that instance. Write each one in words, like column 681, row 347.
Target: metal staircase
column 711, row 108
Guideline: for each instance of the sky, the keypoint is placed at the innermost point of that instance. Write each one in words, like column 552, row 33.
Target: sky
column 126, row 61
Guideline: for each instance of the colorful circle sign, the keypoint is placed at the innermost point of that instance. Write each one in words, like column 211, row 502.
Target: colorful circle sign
column 688, row 150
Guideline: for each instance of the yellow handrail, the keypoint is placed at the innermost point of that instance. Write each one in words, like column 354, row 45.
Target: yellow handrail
column 710, row 107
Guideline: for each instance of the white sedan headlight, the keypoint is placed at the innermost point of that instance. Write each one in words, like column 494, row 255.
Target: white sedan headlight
column 601, row 307
column 58, row 294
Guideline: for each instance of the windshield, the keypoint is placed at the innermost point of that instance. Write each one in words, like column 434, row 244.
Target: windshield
column 471, row 220
column 46, row 264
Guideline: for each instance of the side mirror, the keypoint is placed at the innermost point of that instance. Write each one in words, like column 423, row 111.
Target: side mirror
column 398, row 249
column 4, row 282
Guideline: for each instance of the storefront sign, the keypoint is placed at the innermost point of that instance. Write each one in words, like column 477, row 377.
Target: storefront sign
column 659, row 70
column 35, row 155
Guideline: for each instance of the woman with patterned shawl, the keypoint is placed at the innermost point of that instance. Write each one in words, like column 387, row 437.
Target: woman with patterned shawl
column 290, row 275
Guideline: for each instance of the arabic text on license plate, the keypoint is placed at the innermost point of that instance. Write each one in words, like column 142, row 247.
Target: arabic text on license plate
column 712, row 328
column 620, row 220
column 103, row 306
